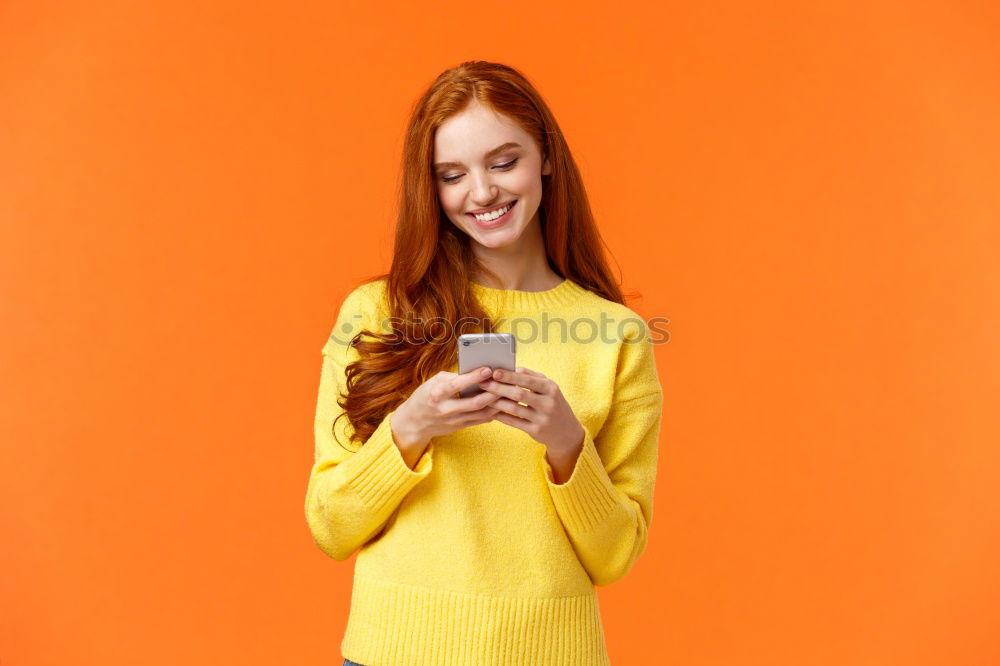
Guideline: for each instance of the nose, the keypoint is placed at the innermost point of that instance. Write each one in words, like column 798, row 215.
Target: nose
column 483, row 191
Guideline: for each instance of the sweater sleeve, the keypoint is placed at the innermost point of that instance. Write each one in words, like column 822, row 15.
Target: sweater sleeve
column 352, row 491
column 606, row 505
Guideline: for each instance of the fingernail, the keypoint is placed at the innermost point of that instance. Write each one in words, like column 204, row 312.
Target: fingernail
column 498, row 374
column 484, row 384
column 485, row 372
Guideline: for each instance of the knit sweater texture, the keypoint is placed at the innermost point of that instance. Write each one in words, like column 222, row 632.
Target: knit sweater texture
column 476, row 556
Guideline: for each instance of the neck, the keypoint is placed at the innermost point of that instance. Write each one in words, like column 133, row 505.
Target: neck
column 522, row 265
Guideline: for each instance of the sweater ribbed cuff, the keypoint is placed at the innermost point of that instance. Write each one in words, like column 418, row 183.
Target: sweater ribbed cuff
column 380, row 475
column 588, row 496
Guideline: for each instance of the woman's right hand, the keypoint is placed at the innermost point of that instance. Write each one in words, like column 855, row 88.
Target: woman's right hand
column 434, row 409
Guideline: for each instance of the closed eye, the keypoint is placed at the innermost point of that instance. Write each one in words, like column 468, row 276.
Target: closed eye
column 506, row 167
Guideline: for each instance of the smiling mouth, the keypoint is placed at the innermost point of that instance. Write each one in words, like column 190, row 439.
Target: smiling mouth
column 510, row 207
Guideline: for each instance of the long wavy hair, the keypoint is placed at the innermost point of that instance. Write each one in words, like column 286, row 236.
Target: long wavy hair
column 433, row 261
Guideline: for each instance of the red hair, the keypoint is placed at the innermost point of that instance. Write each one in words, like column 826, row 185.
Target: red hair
column 433, row 260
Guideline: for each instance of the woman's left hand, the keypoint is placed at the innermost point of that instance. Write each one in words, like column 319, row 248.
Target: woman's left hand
column 548, row 418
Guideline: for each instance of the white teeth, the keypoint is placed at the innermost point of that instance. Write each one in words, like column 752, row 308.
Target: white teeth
column 486, row 217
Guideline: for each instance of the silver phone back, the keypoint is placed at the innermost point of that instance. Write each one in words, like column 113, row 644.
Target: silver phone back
column 493, row 350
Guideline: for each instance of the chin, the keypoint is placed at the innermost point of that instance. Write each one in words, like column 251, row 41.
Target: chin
column 495, row 239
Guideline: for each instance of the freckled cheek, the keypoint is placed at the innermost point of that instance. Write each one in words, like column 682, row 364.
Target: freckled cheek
column 521, row 183
column 451, row 205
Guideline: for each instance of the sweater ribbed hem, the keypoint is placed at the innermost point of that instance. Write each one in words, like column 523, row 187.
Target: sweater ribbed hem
column 381, row 477
column 395, row 624
column 515, row 300
column 588, row 495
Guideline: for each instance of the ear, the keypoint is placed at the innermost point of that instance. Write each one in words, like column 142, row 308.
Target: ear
column 546, row 167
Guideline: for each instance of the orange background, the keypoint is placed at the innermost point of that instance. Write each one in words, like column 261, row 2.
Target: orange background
column 809, row 193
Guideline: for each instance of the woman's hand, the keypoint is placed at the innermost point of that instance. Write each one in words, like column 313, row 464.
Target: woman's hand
column 548, row 418
column 433, row 409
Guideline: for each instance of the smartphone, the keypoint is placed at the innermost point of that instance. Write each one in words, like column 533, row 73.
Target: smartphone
column 493, row 350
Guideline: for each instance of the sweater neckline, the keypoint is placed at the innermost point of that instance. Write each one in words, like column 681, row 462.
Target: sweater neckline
column 516, row 300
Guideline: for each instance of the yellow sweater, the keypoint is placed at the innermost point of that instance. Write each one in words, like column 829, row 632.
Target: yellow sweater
column 476, row 556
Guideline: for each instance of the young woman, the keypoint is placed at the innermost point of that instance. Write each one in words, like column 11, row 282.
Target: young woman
column 482, row 524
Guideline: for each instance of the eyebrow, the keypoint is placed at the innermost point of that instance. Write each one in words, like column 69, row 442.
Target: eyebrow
column 489, row 154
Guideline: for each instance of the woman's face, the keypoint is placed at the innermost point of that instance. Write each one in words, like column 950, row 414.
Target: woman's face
column 471, row 177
